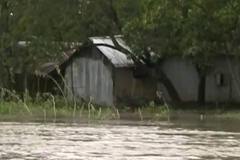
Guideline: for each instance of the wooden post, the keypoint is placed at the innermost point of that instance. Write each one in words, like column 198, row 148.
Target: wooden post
column 37, row 84
column 45, row 89
column 133, row 86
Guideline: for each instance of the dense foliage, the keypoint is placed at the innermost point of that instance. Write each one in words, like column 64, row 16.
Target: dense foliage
column 195, row 30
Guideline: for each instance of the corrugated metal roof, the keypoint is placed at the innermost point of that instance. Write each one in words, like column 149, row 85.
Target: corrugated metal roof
column 117, row 58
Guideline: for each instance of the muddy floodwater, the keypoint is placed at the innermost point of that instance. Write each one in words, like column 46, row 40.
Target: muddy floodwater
column 117, row 141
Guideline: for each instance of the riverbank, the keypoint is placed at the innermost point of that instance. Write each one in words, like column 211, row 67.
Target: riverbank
column 10, row 110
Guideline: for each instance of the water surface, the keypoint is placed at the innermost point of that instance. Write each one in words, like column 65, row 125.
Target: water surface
column 115, row 141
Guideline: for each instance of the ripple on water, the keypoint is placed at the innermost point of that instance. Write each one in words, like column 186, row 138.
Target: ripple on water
column 49, row 141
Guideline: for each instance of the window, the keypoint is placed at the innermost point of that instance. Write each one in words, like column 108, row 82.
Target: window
column 220, row 79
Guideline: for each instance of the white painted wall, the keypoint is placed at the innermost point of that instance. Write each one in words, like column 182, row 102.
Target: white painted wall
column 185, row 79
column 228, row 91
column 183, row 76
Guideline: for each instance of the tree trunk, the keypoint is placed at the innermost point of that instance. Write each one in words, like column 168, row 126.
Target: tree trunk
column 25, row 82
column 201, row 90
column 201, row 87
column 168, row 85
column 6, row 78
column 163, row 78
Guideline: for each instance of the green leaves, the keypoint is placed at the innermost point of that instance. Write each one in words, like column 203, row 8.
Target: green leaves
column 54, row 24
column 192, row 29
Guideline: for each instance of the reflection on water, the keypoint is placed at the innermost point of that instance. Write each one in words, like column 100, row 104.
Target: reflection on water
column 78, row 141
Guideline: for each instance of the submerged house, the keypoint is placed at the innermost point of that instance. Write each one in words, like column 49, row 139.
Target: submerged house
column 110, row 78
column 221, row 85
column 105, row 74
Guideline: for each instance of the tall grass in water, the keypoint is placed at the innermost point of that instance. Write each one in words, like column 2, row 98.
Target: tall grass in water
column 10, row 102
column 140, row 113
column 38, row 73
column 163, row 107
column 44, row 104
column 69, row 90
column 56, row 104
column 158, row 112
column 53, row 104
column 99, row 112
column 160, row 96
column 61, row 90
column 4, row 93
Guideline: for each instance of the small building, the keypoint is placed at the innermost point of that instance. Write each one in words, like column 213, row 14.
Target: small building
column 105, row 74
column 110, row 78
column 220, row 84
column 46, row 81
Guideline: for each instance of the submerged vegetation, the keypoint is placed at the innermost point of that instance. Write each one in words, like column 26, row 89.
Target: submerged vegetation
column 46, row 106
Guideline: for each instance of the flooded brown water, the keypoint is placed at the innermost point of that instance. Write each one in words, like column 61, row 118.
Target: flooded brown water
column 60, row 141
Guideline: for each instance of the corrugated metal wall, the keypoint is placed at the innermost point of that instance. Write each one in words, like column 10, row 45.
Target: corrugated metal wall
column 91, row 77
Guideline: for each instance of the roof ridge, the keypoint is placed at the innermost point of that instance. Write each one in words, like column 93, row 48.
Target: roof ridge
column 106, row 37
column 116, row 57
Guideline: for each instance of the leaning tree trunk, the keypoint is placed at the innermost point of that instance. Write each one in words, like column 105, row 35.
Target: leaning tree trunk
column 201, row 86
column 168, row 85
column 163, row 78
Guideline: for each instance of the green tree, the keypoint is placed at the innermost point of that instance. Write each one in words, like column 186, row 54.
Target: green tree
column 195, row 30
column 34, row 32
column 42, row 22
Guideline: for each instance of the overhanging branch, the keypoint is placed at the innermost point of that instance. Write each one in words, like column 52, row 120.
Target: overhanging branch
column 114, row 16
column 118, row 48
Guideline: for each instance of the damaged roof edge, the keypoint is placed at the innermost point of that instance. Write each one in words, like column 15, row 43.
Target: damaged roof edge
column 116, row 57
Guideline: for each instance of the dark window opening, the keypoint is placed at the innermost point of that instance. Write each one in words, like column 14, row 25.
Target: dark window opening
column 220, row 79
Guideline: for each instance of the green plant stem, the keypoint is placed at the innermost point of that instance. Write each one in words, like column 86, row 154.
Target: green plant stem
column 65, row 84
column 99, row 112
column 54, row 105
column 81, row 109
column 140, row 113
column 65, row 99
column 13, row 95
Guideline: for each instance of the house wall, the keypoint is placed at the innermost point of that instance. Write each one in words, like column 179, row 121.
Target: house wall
column 185, row 79
column 228, row 91
column 183, row 76
column 92, row 77
column 127, row 87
